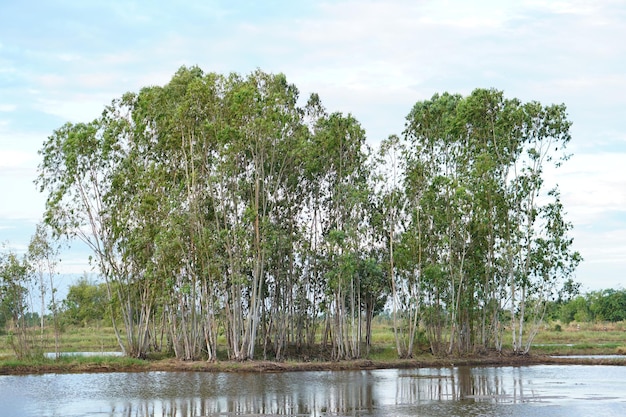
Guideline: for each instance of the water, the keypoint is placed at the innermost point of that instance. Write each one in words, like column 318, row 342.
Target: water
column 465, row 391
column 52, row 355
column 616, row 357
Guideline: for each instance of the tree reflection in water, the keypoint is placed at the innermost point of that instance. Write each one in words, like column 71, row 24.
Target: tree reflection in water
column 462, row 384
column 333, row 393
column 563, row 391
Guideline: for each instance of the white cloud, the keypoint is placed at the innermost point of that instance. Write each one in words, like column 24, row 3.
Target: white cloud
column 580, row 83
column 74, row 108
column 592, row 185
column 7, row 107
column 52, row 81
column 98, row 81
column 604, row 254
column 10, row 159
column 119, row 58
column 73, row 264
column 69, row 57
column 371, row 58
column 571, row 7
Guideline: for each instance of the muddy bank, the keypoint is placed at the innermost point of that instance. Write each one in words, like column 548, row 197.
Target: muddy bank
column 173, row 365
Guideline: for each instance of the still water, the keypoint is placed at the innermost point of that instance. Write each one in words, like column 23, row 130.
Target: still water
column 463, row 391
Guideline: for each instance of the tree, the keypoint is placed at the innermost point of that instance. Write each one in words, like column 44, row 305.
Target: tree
column 180, row 191
column 214, row 204
column 575, row 309
column 15, row 314
column 474, row 173
column 86, row 302
column 608, row 305
column 397, row 221
column 339, row 198
column 79, row 166
column 42, row 254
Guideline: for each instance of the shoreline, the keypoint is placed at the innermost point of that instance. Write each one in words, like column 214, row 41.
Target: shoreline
column 264, row 366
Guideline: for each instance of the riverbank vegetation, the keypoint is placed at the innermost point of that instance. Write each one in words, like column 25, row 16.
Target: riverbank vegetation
column 555, row 338
column 226, row 216
column 554, row 345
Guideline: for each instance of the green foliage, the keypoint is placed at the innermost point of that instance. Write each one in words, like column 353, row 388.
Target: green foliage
column 86, row 302
column 608, row 305
column 576, row 309
column 16, row 316
column 215, row 206
column 473, row 181
column 14, row 281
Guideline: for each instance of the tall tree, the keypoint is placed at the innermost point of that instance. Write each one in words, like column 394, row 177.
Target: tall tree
column 15, row 279
column 43, row 254
column 478, row 163
column 80, row 166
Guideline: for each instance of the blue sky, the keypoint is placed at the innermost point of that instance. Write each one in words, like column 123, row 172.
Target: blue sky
column 65, row 60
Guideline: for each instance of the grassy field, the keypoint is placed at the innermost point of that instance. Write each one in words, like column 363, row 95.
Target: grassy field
column 582, row 338
column 72, row 339
column 553, row 339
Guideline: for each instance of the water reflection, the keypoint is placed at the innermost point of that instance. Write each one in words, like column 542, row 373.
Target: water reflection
column 52, row 355
column 461, row 391
column 464, row 384
column 310, row 394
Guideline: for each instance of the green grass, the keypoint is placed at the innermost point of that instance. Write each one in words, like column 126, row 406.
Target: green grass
column 96, row 360
column 73, row 339
column 578, row 349
column 74, row 363
column 584, row 338
column 383, row 353
column 88, row 339
column 581, row 339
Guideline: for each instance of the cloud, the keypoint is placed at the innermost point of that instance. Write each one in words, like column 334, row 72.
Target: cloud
column 370, row 58
column 604, row 252
column 20, row 197
column 590, row 10
column 7, row 107
column 14, row 159
column 591, row 185
column 51, row 81
column 74, row 108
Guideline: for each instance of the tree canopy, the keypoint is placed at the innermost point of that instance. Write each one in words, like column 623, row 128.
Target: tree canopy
column 218, row 205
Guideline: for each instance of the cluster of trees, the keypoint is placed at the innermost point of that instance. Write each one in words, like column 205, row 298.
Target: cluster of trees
column 595, row 306
column 218, row 205
column 20, row 278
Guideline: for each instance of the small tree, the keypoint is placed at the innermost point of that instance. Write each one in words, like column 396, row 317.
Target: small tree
column 42, row 254
column 86, row 302
column 14, row 312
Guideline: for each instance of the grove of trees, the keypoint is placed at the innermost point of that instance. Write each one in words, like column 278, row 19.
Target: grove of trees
column 222, row 206
column 608, row 305
column 20, row 278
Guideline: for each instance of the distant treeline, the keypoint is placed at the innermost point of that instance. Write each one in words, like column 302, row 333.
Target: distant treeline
column 217, row 206
column 595, row 306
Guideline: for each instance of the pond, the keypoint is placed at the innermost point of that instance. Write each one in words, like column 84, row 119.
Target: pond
column 52, row 355
column 551, row 390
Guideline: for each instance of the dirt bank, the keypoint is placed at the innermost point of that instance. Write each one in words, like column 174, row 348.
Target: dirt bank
column 173, row 365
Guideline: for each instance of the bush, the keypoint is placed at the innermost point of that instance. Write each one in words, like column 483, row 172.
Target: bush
column 86, row 302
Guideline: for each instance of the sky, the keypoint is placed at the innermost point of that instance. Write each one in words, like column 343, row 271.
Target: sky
column 65, row 60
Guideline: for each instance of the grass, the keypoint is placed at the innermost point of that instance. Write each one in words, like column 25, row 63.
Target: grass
column 88, row 339
column 581, row 339
column 380, row 353
column 572, row 339
column 71, row 364
column 73, row 339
